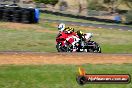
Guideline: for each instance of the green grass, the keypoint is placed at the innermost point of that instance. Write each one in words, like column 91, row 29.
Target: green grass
column 111, row 41
column 26, row 40
column 57, row 76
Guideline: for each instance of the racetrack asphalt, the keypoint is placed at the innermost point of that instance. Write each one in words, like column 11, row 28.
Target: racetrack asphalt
column 107, row 26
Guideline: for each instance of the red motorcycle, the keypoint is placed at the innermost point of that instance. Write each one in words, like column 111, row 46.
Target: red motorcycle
column 65, row 46
column 62, row 44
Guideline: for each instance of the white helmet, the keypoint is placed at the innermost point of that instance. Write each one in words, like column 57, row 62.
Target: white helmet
column 88, row 36
column 61, row 27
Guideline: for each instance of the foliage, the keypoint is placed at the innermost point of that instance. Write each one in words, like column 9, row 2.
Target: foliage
column 107, row 1
column 116, row 3
column 52, row 2
column 128, row 3
column 63, row 5
column 95, row 5
column 129, row 16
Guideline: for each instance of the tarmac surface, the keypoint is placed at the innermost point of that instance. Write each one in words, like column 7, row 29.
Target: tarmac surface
column 111, row 26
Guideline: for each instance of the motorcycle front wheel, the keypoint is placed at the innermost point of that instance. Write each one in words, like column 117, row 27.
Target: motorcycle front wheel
column 97, row 48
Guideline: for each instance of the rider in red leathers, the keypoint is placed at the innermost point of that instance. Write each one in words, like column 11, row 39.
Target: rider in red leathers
column 67, row 35
column 72, row 37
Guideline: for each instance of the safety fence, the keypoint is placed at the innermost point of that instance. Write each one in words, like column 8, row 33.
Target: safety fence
column 18, row 14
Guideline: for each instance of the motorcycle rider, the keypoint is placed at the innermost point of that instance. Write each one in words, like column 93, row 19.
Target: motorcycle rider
column 84, row 37
column 69, row 38
column 72, row 38
column 68, row 35
column 80, row 34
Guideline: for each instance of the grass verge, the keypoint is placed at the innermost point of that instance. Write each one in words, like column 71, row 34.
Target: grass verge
column 41, row 38
column 57, row 76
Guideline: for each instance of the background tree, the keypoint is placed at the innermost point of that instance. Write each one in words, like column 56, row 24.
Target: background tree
column 52, row 2
column 128, row 3
column 95, row 5
column 113, row 4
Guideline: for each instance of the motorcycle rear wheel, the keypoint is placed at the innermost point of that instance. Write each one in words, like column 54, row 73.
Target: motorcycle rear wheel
column 63, row 48
column 60, row 48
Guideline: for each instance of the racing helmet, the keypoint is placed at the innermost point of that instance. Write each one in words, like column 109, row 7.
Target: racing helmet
column 61, row 27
